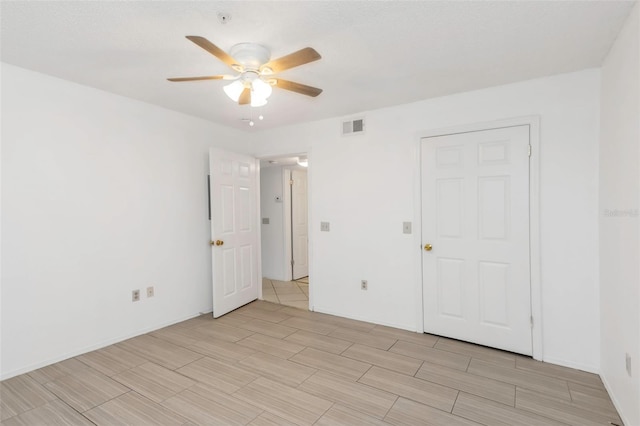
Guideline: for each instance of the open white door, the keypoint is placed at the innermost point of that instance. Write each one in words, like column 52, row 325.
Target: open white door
column 475, row 224
column 299, row 224
column 235, row 241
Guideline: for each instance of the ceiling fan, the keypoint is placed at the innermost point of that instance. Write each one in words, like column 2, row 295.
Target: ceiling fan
column 255, row 79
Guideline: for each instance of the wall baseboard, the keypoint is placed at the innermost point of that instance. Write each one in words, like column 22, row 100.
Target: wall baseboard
column 571, row 364
column 614, row 400
column 90, row 348
column 358, row 318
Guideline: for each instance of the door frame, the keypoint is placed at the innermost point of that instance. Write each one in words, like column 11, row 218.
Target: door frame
column 286, row 222
column 287, row 219
column 287, row 233
column 534, row 216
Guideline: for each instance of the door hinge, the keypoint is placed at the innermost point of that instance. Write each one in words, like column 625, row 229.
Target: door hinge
column 292, row 262
column 531, row 320
column 291, row 182
column 529, row 151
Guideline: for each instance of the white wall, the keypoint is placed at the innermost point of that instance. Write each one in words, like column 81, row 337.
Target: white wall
column 273, row 233
column 619, row 219
column 100, row 195
column 365, row 187
column 103, row 194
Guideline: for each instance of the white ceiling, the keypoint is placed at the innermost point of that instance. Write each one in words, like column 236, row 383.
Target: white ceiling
column 374, row 54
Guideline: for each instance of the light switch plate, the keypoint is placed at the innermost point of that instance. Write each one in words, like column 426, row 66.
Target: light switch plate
column 324, row 226
column 406, row 227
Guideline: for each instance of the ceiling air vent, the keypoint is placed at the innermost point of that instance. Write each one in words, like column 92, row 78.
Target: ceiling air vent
column 352, row 127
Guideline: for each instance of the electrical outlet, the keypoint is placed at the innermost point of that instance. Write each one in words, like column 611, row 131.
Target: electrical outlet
column 324, row 226
column 628, row 364
column 364, row 285
column 135, row 295
column 150, row 291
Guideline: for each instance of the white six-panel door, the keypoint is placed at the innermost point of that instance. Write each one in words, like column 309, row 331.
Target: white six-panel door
column 234, row 231
column 299, row 224
column 475, row 216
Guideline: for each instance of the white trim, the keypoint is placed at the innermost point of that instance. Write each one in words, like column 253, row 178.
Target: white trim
column 614, row 400
column 259, row 228
column 310, row 230
column 573, row 365
column 534, row 236
column 417, row 237
column 534, row 215
column 96, row 346
column 323, row 310
column 286, row 222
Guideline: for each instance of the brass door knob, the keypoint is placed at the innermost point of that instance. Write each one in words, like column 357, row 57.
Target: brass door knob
column 428, row 247
column 216, row 243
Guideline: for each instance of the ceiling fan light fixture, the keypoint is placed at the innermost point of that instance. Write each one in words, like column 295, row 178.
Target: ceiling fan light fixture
column 257, row 101
column 234, row 90
column 261, row 89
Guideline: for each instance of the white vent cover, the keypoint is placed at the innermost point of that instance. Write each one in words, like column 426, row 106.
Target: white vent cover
column 354, row 126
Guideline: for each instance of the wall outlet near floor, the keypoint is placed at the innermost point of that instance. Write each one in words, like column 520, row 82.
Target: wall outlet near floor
column 628, row 364
column 364, row 285
column 135, row 295
column 150, row 291
column 324, row 226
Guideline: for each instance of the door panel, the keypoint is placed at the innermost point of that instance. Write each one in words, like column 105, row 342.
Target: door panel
column 244, row 209
column 493, row 207
column 450, row 207
column 233, row 224
column 299, row 224
column 494, row 298
column 226, row 209
column 475, row 214
column 450, row 287
column 245, row 266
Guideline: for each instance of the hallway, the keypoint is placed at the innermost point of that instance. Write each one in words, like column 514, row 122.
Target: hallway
column 289, row 293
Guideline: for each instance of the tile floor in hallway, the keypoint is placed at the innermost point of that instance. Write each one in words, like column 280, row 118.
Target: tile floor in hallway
column 289, row 293
column 268, row 364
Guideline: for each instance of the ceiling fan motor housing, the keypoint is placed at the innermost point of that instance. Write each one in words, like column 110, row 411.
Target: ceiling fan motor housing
column 250, row 55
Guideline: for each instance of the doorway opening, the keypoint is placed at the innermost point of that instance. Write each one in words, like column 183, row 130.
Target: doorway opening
column 284, row 230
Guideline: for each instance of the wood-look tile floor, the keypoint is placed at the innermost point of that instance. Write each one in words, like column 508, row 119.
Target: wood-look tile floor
column 288, row 293
column 268, row 364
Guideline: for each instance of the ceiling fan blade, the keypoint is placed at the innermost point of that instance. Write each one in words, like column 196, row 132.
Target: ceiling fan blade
column 214, row 50
column 301, row 57
column 245, row 96
column 297, row 87
column 210, row 77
